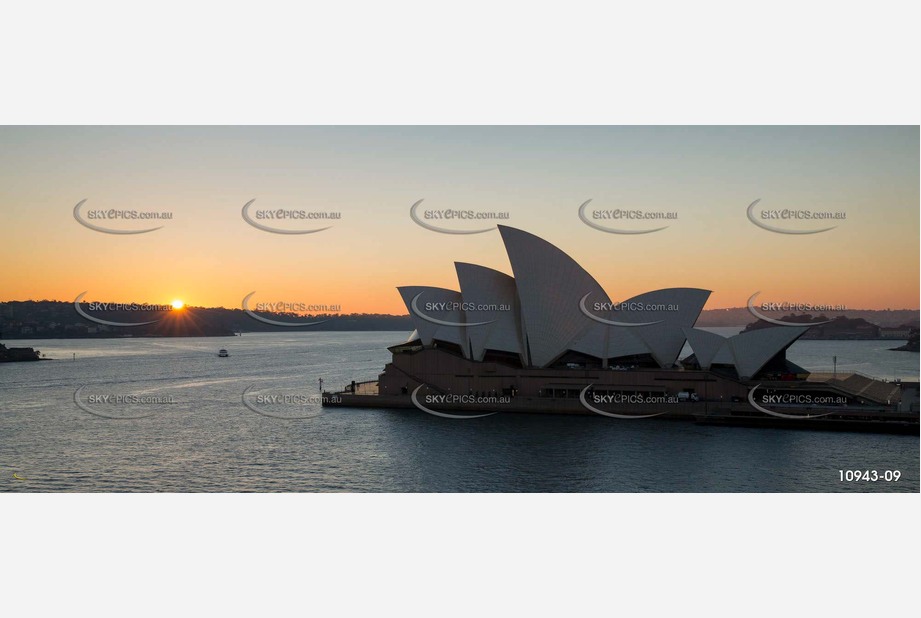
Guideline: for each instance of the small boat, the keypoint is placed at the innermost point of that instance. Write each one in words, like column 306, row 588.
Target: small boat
column 222, row 353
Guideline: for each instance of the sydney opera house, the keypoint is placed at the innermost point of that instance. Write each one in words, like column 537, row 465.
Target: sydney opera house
column 543, row 338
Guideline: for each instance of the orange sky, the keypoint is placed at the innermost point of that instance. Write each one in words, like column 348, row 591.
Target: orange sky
column 208, row 255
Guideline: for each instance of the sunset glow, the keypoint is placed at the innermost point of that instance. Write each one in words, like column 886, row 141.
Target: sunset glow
column 201, row 177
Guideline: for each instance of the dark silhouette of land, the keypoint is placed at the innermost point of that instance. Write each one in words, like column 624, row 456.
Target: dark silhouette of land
column 48, row 319
column 17, row 355
column 912, row 345
column 886, row 318
column 841, row 328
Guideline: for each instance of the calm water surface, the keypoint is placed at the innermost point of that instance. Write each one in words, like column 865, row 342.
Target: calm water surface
column 196, row 434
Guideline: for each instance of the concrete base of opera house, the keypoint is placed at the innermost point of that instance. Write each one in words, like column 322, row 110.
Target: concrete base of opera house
column 704, row 413
column 456, row 386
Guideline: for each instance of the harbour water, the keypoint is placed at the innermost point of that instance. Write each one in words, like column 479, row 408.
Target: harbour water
column 169, row 415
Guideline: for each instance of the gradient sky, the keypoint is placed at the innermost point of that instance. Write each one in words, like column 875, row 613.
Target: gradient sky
column 208, row 256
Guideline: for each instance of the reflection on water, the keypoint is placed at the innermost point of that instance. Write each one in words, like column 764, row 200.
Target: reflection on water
column 207, row 440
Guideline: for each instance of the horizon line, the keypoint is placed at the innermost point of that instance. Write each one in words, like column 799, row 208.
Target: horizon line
column 187, row 306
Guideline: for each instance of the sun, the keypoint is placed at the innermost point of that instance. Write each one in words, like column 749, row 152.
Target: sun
column 178, row 304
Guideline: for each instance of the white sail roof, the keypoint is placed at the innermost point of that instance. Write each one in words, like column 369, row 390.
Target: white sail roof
column 436, row 313
column 747, row 352
column 552, row 306
column 667, row 312
column 550, row 285
column 490, row 311
column 753, row 349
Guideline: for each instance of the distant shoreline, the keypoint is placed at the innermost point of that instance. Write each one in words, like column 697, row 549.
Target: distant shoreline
column 357, row 330
column 210, row 336
column 47, row 319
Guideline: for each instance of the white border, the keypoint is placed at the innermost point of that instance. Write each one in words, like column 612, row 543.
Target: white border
column 459, row 555
column 472, row 63
column 706, row 62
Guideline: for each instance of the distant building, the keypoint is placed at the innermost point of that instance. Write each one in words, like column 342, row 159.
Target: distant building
column 10, row 355
column 899, row 332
